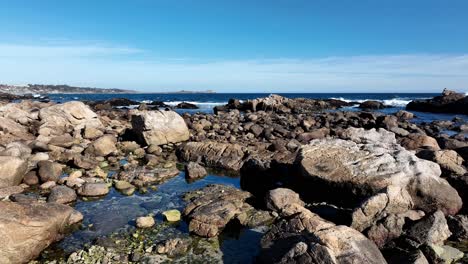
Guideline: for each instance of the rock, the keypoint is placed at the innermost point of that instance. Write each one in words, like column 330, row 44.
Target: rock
column 47, row 185
column 173, row 247
column 211, row 208
column 12, row 170
column 172, row 215
column 371, row 105
column 304, row 237
column 159, row 127
column 278, row 199
column 49, row 171
column 93, row 189
column 317, row 134
column 129, row 146
column 385, row 230
column 360, row 135
column 67, row 117
column 417, row 141
column 103, row 146
column 404, row 115
column 28, row 228
column 431, row 230
column 390, row 201
column 17, row 149
column 458, row 225
column 449, row 160
column 194, row 171
column 91, row 132
column 145, row 222
column 448, row 102
column 124, row 187
column 213, row 154
column 185, row 105
column 442, row 254
column 8, row 191
column 360, row 171
column 65, row 141
column 62, row 195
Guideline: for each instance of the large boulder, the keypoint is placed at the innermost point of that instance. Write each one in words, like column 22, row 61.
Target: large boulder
column 448, row 102
column 12, row 170
column 304, row 237
column 67, row 117
column 371, row 105
column 359, row 171
column 28, row 228
column 213, row 154
column 211, row 208
column 103, row 146
column 194, row 171
column 417, row 141
column 159, row 127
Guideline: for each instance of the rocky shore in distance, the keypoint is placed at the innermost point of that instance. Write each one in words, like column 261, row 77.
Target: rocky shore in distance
column 328, row 186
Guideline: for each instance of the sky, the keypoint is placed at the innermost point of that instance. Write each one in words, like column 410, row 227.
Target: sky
column 237, row 46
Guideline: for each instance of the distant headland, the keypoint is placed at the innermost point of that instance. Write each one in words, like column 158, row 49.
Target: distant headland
column 67, row 89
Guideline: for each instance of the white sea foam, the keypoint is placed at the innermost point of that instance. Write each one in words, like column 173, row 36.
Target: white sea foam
column 199, row 104
column 397, row 102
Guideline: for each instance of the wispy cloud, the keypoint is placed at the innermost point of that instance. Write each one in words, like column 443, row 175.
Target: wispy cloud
column 125, row 67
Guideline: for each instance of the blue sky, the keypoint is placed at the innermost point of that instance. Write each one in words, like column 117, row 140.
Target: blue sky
column 237, row 46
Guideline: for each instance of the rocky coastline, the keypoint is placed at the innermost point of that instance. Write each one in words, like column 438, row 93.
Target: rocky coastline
column 325, row 185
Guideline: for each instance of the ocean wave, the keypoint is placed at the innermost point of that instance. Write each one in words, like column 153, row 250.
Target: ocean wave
column 396, row 102
column 199, row 104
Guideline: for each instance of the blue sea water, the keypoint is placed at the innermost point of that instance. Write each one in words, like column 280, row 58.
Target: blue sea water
column 206, row 101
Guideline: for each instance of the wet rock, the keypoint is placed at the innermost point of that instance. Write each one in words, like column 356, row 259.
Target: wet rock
column 404, row 115
column 173, row 247
column 448, row 102
column 93, row 189
column 145, row 222
column 213, row 154
column 360, row 171
column 185, row 105
column 419, row 141
column 103, row 146
column 194, row 171
column 49, row 171
column 458, row 225
column 172, row 215
column 159, row 127
column 12, row 170
column 124, row 187
column 371, row 105
column 211, row 208
column 28, row 228
column 62, row 195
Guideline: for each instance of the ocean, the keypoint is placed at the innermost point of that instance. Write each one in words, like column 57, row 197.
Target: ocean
column 206, row 101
